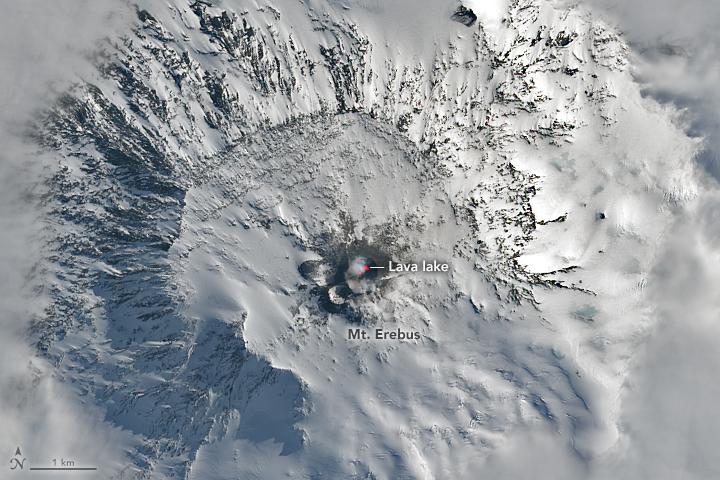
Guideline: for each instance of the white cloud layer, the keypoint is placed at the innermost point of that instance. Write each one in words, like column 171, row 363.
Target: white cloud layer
column 670, row 419
column 677, row 57
column 41, row 50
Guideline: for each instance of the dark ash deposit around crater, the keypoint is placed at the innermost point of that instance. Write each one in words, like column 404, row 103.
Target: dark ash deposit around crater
column 345, row 272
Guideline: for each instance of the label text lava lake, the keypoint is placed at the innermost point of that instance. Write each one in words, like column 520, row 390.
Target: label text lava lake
column 413, row 267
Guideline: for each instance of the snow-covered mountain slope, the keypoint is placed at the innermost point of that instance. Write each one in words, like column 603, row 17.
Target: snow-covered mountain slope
column 227, row 161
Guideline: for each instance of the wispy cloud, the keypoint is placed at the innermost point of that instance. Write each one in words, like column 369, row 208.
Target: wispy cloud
column 677, row 60
column 42, row 46
column 669, row 415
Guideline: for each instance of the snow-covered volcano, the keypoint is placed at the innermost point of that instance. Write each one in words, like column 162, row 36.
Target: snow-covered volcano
column 231, row 169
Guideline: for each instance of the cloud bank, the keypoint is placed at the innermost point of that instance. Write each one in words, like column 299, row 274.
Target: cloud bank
column 677, row 60
column 42, row 47
column 670, row 419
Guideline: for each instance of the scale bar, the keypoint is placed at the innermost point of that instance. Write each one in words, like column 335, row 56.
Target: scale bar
column 63, row 468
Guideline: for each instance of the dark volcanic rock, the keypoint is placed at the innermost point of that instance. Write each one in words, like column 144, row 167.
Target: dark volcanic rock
column 464, row 16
